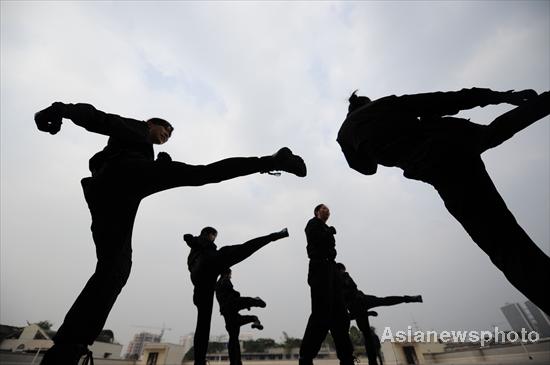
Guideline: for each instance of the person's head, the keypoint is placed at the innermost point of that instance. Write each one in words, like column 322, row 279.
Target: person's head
column 209, row 233
column 322, row 212
column 355, row 101
column 226, row 273
column 340, row 267
column 159, row 130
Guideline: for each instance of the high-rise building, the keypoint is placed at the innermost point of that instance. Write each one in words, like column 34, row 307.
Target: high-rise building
column 135, row 347
column 528, row 317
column 542, row 320
column 517, row 317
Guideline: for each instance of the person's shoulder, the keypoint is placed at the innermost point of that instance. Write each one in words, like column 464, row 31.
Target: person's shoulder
column 313, row 221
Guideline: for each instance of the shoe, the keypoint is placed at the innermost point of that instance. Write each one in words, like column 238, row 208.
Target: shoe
column 285, row 160
column 260, row 303
column 66, row 354
column 257, row 325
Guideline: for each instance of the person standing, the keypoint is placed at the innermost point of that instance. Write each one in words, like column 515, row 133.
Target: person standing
column 328, row 312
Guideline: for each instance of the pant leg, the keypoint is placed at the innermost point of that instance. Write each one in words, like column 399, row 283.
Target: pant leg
column 370, row 348
column 112, row 223
column 228, row 256
column 203, row 298
column 340, row 323
column 145, row 177
column 471, row 197
column 319, row 321
column 517, row 119
column 372, row 301
column 233, row 345
column 246, row 302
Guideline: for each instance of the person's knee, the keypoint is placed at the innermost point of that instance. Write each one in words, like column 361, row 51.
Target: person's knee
column 114, row 272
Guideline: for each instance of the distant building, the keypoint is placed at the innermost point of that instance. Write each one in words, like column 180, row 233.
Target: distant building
column 542, row 321
column 162, row 354
column 517, row 317
column 32, row 338
column 528, row 317
column 136, row 346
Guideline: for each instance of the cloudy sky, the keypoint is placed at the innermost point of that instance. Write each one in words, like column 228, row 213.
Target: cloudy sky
column 241, row 79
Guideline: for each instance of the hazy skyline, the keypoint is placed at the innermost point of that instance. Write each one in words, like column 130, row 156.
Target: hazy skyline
column 245, row 78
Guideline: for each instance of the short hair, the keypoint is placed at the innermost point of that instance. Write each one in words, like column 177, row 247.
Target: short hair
column 162, row 123
column 355, row 102
column 317, row 208
column 340, row 266
column 208, row 230
column 226, row 271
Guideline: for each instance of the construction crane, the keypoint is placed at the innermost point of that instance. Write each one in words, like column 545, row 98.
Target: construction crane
column 162, row 329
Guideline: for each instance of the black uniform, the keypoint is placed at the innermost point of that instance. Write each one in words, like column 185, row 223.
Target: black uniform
column 411, row 132
column 123, row 174
column 327, row 306
column 231, row 303
column 206, row 263
column 359, row 305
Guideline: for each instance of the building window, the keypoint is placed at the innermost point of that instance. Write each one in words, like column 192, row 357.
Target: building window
column 152, row 358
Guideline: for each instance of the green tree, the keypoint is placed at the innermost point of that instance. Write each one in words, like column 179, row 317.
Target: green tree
column 259, row 345
column 45, row 325
column 329, row 342
column 290, row 343
column 356, row 336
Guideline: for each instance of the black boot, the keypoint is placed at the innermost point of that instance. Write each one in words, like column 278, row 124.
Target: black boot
column 258, row 326
column 284, row 160
column 259, row 302
column 414, row 298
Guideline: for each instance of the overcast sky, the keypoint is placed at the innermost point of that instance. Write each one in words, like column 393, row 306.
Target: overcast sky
column 242, row 79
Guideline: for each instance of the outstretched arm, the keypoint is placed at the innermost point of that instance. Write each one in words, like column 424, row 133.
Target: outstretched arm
column 447, row 103
column 93, row 120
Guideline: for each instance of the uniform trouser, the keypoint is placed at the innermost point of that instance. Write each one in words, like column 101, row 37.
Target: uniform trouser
column 370, row 345
column 113, row 196
column 205, row 282
column 233, row 323
column 328, row 313
column 471, row 197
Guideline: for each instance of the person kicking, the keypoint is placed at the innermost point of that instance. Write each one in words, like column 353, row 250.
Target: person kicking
column 231, row 302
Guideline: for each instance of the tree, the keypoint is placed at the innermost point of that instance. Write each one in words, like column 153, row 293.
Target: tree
column 45, row 325
column 259, row 345
column 290, row 343
column 329, row 342
column 356, row 336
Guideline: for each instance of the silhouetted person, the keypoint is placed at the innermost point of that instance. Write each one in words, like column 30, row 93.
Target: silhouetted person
column 124, row 173
column 231, row 303
column 359, row 305
column 413, row 133
column 206, row 263
column 328, row 312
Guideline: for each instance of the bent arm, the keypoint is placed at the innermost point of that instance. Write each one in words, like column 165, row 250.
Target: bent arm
column 93, row 120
